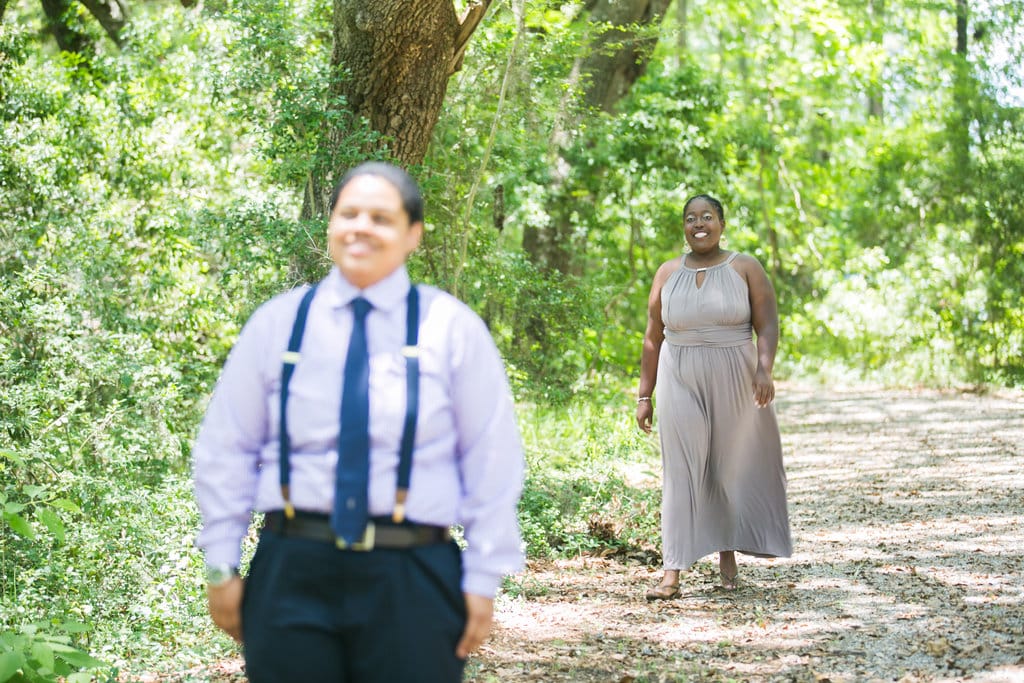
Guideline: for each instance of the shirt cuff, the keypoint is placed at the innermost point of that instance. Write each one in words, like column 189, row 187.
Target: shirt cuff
column 221, row 544
column 481, row 583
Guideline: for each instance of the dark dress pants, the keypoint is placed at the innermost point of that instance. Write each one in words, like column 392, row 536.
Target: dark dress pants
column 314, row 613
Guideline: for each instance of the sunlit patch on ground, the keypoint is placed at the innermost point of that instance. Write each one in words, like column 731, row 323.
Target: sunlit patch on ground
column 908, row 518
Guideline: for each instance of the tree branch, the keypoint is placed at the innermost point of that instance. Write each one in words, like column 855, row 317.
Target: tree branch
column 467, row 24
column 112, row 15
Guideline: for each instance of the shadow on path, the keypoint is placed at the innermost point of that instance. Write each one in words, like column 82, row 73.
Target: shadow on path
column 908, row 518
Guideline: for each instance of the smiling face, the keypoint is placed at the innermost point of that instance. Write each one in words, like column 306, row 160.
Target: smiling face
column 369, row 233
column 703, row 225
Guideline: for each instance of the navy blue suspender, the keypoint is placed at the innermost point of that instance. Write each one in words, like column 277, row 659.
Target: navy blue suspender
column 412, row 379
column 412, row 402
column 290, row 358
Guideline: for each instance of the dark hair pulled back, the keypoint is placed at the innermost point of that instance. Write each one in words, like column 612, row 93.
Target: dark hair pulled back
column 719, row 209
column 408, row 189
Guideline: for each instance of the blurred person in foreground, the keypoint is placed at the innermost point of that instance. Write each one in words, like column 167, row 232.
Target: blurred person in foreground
column 364, row 416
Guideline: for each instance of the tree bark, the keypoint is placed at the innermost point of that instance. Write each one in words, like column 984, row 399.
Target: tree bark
column 619, row 55
column 961, row 27
column 112, row 15
column 617, row 58
column 395, row 58
column 57, row 19
column 398, row 53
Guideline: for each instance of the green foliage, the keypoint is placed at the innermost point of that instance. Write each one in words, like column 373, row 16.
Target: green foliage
column 39, row 653
column 113, row 328
column 277, row 81
column 591, row 485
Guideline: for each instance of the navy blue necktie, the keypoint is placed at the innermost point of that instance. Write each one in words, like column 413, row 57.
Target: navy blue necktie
column 348, row 520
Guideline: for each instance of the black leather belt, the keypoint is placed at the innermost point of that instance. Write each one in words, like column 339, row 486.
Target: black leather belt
column 380, row 533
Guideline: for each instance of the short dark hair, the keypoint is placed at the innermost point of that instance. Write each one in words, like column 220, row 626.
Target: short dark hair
column 710, row 200
column 408, row 189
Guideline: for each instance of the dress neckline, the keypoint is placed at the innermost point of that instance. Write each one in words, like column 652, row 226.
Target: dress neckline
column 727, row 261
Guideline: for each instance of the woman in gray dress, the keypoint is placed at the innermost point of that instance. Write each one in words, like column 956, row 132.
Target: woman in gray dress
column 724, row 486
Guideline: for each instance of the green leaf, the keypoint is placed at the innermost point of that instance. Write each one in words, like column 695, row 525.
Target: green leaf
column 33, row 490
column 74, row 627
column 11, row 455
column 53, row 522
column 66, row 505
column 76, row 657
column 19, row 525
column 43, row 654
column 14, row 508
column 10, row 664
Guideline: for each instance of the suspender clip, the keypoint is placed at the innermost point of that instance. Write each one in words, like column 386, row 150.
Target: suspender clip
column 398, row 515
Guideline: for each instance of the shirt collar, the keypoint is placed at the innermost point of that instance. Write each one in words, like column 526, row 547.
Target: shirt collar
column 384, row 295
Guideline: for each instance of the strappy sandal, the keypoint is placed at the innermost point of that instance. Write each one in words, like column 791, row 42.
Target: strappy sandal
column 664, row 591
column 729, row 583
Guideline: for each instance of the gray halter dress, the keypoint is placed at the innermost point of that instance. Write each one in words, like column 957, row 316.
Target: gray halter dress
column 724, row 486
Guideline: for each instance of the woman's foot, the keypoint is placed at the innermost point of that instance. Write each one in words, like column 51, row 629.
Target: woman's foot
column 728, row 570
column 664, row 591
column 668, row 588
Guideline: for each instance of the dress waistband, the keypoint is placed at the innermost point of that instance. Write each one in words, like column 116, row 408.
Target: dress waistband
column 721, row 336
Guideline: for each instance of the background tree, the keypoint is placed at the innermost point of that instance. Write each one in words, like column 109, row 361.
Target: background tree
column 391, row 62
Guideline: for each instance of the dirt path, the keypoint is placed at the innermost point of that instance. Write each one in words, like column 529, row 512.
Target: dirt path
column 908, row 519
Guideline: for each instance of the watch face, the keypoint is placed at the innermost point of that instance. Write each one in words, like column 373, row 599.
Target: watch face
column 219, row 573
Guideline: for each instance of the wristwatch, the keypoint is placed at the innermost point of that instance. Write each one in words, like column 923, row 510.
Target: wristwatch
column 219, row 574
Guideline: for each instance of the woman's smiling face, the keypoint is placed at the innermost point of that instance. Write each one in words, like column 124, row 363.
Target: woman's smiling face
column 369, row 232
column 703, row 225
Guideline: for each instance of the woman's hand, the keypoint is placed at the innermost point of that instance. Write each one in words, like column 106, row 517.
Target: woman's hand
column 479, row 617
column 644, row 415
column 764, row 388
column 225, row 603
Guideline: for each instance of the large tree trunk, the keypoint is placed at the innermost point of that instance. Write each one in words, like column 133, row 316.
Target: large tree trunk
column 619, row 55
column 399, row 53
column 58, row 20
column 616, row 59
column 60, row 17
column 394, row 58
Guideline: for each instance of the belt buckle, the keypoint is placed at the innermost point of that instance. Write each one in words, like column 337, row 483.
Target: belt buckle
column 364, row 544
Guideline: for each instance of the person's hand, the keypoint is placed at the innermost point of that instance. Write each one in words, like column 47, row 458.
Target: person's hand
column 644, row 415
column 225, row 603
column 479, row 617
column 764, row 388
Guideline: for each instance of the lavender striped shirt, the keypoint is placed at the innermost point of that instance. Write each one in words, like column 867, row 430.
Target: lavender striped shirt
column 467, row 462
